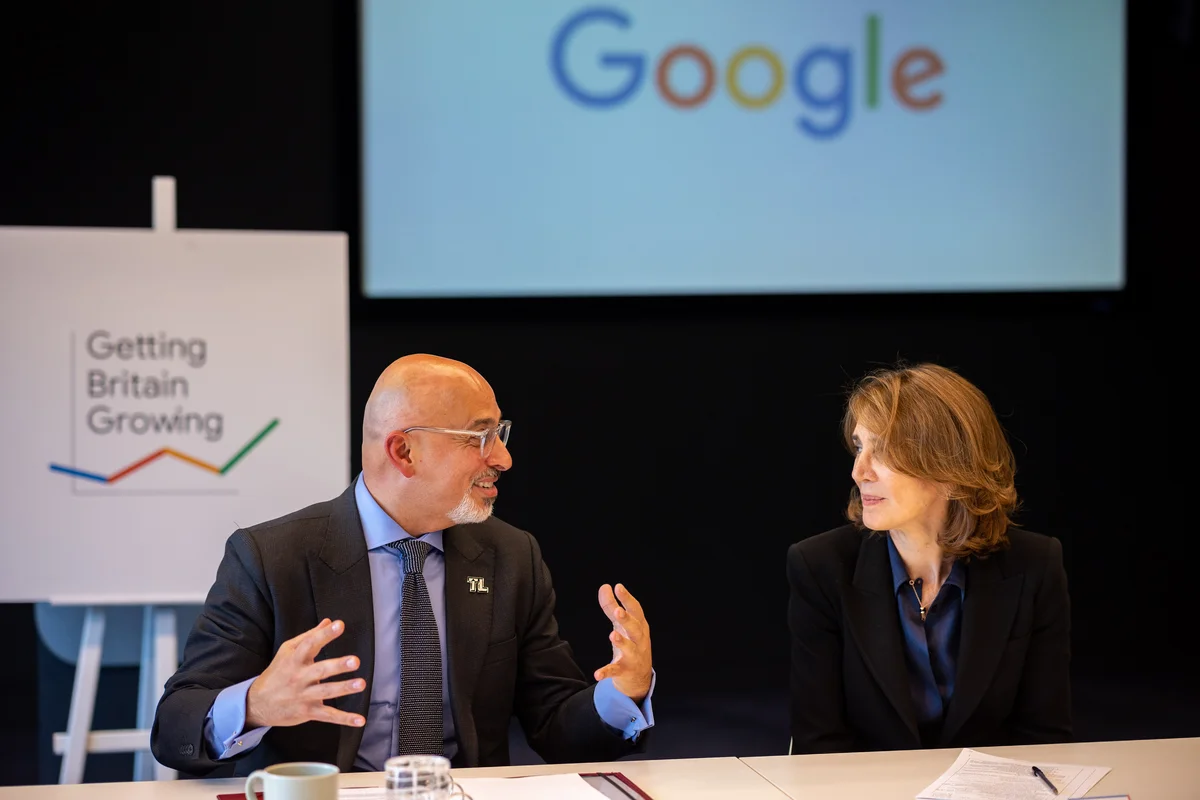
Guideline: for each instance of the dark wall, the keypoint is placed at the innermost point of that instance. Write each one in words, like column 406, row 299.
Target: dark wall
column 678, row 445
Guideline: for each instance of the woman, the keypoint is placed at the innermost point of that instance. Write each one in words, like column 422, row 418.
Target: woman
column 929, row 621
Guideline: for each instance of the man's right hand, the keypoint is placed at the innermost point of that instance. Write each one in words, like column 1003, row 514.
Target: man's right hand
column 290, row 692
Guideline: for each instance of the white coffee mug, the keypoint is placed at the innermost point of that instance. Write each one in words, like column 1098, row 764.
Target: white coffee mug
column 295, row 780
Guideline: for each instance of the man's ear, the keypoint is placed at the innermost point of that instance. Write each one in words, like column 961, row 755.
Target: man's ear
column 399, row 451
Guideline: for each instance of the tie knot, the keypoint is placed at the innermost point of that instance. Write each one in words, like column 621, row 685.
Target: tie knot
column 413, row 552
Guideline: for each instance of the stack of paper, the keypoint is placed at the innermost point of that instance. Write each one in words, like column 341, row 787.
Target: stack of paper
column 978, row 776
column 551, row 787
column 535, row 787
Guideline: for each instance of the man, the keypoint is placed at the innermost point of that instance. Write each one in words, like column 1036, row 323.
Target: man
column 425, row 622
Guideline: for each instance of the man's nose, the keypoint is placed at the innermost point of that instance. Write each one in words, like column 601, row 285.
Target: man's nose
column 500, row 458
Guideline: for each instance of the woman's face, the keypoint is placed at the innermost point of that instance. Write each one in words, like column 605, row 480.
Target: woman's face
column 891, row 500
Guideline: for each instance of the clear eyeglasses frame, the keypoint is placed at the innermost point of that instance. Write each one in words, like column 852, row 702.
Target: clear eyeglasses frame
column 487, row 438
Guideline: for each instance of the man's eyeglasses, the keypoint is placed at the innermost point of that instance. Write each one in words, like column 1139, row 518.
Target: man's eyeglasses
column 487, row 438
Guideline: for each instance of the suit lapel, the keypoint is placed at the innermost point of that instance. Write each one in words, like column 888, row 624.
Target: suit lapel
column 341, row 580
column 874, row 623
column 469, row 625
column 989, row 608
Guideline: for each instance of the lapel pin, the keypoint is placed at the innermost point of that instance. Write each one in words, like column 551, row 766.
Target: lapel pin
column 477, row 586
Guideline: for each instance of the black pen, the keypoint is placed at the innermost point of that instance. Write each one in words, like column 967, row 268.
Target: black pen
column 1045, row 780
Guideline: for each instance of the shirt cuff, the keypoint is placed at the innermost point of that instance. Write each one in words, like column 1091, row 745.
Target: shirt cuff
column 225, row 720
column 620, row 713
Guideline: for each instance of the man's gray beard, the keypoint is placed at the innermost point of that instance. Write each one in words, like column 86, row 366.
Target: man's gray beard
column 469, row 510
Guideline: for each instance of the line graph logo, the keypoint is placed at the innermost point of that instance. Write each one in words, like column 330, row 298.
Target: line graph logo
column 168, row 451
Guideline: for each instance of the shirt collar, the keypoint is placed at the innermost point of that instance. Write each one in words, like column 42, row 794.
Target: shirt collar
column 378, row 528
column 957, row 576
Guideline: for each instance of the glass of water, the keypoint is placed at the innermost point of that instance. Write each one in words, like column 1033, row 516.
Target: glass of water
column 421, row 778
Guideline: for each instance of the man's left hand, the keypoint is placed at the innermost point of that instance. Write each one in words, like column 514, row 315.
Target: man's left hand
column 630, row 667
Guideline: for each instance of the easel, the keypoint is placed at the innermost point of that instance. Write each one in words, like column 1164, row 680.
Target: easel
column 111, row 566
column 159, row 658
column 159, row 661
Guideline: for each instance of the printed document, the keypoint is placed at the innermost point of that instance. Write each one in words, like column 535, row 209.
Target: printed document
column 551, row 787
column 978, row 776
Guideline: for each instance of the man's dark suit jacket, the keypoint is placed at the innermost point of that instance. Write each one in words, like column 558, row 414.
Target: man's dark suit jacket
column 850, row 688
column 279, row 579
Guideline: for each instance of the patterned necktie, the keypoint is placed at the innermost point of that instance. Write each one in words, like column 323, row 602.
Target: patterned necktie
column 420, row 716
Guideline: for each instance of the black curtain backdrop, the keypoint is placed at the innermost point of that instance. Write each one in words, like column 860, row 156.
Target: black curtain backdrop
column 676, row 444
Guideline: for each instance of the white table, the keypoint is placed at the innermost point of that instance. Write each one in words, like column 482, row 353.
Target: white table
column 1153, row 769
column 670, row 779
column 1156, row 769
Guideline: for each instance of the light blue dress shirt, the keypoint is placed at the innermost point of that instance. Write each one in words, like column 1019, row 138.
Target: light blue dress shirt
column 223, row 728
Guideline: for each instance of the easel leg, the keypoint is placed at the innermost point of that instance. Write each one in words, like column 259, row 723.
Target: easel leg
column 166, row 661
column 159, row 661
column 83, row 696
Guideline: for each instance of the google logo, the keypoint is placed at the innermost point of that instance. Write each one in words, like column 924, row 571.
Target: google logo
column 826, row 112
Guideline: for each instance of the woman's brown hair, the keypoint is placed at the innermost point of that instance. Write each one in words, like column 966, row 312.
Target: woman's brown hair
column 931, row 423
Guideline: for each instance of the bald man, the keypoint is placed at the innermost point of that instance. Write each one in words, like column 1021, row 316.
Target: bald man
column 400, row 617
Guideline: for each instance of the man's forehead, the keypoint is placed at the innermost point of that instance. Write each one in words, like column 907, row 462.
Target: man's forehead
column 483, row 413
column 470, row 410
column 459, row 397
column 483, row 420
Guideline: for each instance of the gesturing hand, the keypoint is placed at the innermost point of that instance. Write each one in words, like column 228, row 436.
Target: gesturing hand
column 630, row 667
column 290, row 691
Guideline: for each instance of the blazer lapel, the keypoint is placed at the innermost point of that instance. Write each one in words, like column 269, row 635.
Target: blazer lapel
column 341, row 581
column 469, row 626
column 989, row 608
column 873, row 620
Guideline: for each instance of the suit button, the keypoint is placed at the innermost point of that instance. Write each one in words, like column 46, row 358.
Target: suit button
column 186, row 750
